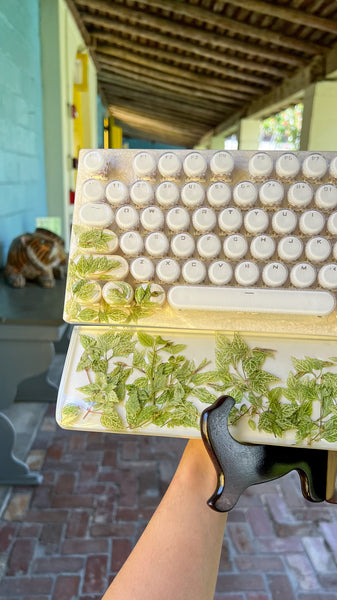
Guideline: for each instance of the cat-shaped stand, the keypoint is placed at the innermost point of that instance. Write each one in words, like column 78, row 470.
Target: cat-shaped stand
column 240, row 465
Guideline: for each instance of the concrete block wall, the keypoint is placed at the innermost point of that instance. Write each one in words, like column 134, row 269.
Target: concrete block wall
column 22, row 177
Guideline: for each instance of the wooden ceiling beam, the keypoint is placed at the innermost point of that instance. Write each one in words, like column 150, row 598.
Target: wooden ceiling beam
column 136, row 53
column 179, row 76
column 220, row 21
column 186, row 46
column 286, row 13
column 167, row 116
column 116, row 82
column 136, row 118
column 143, row 18
column 186, row 88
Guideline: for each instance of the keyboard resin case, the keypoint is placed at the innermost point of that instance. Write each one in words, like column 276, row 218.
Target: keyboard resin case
column 197, row 273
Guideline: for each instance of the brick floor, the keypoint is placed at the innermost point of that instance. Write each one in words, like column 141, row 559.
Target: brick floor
column 67, row 538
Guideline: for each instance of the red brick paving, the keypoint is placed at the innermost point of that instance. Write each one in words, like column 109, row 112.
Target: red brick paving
column 67, row 538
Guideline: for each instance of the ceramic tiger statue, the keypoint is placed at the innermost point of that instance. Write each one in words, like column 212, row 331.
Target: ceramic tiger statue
column 38, row 256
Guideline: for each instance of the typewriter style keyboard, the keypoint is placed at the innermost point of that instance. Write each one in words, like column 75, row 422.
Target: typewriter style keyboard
column 195, row 239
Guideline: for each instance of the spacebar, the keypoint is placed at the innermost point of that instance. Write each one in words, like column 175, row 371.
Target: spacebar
column 263, row 300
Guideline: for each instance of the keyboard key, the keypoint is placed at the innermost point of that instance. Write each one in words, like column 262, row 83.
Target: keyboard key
column 290, row 248
column 230, row 220
column 284, row 221
column 96, row 214
column 222, row 163
column 144, row 164
column 95, row 163
column 246, row 273
column 262, row 247
column 93, row 190
column 271, row 193
column 168, row 270
column 287, row 165
column 169, row 165
column 194, row 271
column 141, row 193
column 219, row 194
column 311, row 222
column 157, row 244
column 204, row 219
column 318, row 249
column 302, row 275
column 116, row 193
column 142, row 269
column 194, row 164
column 192, row 194
column 256, row 221
column 314, row 166
column 182, row 245
column 327, row 276
column 332, row 224
column 274, row 274
column 152, row 218
column 157, row 293
column 245, row 194
column 235, row 246
column 300, row 194
column 260, row 165
column 326, row 197
column 209, row 246
column 178, row 219
column 127, row 217
column 301, row 302
column 220, row 272
column 117, row 293
column 167, row 194
column 131, row 243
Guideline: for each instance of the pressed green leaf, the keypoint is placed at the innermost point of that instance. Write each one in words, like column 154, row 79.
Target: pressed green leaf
column 204, row 395
column 145, row 339
column 202, row 378
column 70, row 415
column 88, row 314
column 330, row 430
column 112, row 422
column 84, row 362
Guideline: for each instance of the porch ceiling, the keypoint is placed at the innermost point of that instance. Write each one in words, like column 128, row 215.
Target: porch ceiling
column 176, row 71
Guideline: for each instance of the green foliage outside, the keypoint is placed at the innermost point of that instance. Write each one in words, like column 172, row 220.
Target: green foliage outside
column 284, row 127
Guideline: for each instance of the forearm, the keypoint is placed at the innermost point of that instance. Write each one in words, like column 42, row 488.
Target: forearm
column 178, row 555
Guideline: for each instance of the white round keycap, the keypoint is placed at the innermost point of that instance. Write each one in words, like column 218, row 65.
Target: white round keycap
column 209, row 246
column 218, row 194
column 220, row 272
column 157, row 292
column 260, row 165
column 144, row 164
column 235, row 246
column 290, row 248
column 326, row 196
column 332, row 224
column 284, row 221
column 141, row 193
column 327, row 276
column 194, row 164
column 169, row 164
column 302, row 275
column 156, row 244
column 178, row 219
column 142, row 269
column 230, row 220
column 287, row 165
column 262, row 247
column 334, row 251
column 182, row 245
column 271, row 193
column 131, row 243
column 167, row 194
column 318, row 249
column 222, row 163
column 116, row 193
column 204, row 219
column 274, row 274
column 94, row 161
column 121, row 291
column 193, row 271
column 246, row 273
column 152, row 218
column 300, row 194
column 96, row 215
column 127, row 217
column 93, row 190
column 168, row 270
column 314, row 166
column 311, row 222
column 245, row 194
column 192, row 194
column 256, row 220
column 333, row 167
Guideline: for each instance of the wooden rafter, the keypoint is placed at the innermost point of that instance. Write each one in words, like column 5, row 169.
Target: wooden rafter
column 143, row 18
column 137, row 54
column 288, row 14
column 186, row 46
